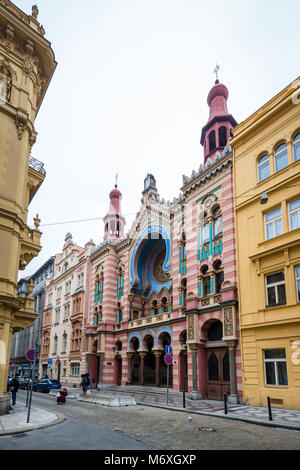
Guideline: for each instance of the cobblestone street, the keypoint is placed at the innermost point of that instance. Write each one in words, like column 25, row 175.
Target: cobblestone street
column 147, row 428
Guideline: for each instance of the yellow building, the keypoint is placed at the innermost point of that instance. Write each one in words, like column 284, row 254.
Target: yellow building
column 27, row 64
column 266, row 155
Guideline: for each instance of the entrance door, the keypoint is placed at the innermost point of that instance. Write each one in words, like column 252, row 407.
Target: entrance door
column 149, row 369
column 218, row 377
column 135, row 373
column 119, row 376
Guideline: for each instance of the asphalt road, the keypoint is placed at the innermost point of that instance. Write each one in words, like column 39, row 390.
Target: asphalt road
column 96, row 427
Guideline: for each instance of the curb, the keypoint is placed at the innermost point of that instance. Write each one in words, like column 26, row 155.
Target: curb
column 271, row 424
column 60, row 419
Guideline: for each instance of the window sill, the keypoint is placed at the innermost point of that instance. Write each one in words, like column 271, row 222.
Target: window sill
column 276, row 386
column 268, row 307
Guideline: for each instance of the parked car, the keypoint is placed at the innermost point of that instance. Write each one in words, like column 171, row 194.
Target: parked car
column 45, row 385
column 25, row 383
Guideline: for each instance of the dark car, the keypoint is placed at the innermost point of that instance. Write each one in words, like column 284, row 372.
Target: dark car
column 45, row 385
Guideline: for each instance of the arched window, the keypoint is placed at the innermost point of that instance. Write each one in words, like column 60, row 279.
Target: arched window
column 212, row 141
column 215, row 332
column 205, row 281
column 155, row 308
column 205, row 230
column 263, row 167
column 219, row 276
column 184, row 247
column 296, row 147
column 222, row 136
column 218, row 230
column 183, row 285
column 164, row 305
column 281, row 157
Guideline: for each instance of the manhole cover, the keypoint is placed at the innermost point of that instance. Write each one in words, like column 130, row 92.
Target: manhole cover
column 205, row 429
column 19, row 436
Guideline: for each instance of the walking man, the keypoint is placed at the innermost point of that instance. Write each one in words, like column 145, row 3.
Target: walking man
column 14, row 387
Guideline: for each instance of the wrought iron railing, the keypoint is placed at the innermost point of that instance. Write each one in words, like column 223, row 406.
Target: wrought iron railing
column 36, row 165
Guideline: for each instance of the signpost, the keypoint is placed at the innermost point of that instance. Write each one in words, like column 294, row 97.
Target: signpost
column 168, row 360
column 31, row 355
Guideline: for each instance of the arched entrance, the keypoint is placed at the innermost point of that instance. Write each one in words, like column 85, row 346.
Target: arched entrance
column 217, row 357
column 135, row 362
column 149, row 362
column 163, row 341
column 118, row 363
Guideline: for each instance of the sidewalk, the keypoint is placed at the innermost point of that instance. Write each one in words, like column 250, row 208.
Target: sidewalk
column 16, row 421
column 289, row 419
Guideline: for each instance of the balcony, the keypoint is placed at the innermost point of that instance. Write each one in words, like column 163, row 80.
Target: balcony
column 30, row 245
column 36, row 176
column 150, row 320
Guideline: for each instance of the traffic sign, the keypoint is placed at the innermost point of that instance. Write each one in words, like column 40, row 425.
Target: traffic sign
column 50, row 361
column 168, row 349
column 30, row 355
column 168, row 359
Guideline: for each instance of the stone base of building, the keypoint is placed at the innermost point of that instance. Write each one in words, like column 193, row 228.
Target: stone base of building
column 233, row 400
column 4, row 405
column 196, row 396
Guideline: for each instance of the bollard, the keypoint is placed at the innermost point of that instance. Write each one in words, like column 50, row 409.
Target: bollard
column 270, row 409
column 183, row 397
column 225, row 403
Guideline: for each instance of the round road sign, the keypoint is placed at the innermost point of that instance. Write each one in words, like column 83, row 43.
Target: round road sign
column 168, row 359
column 30, row 354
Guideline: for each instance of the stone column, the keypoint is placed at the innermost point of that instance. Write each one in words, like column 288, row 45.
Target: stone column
column 194, row 395
column 101, row 357
column 233, row 398
column 5, row 342
column 202, row 369
column 129, row 355
column 130, row 297
column 157, row 355
column 143, row 300
column 142, row 356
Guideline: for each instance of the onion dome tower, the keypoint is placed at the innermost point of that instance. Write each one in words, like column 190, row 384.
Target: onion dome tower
column 114, row 222
column 216, row 133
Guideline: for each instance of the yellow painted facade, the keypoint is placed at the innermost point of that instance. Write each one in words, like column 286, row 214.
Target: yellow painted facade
column 27, row 64
column 265, row 156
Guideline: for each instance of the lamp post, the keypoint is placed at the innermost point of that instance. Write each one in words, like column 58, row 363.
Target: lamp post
column 37, row 350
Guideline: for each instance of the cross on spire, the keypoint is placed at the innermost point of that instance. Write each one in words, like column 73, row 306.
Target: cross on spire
column 216, row 70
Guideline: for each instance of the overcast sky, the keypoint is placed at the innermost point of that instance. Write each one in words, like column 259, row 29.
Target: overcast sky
column 129, row 96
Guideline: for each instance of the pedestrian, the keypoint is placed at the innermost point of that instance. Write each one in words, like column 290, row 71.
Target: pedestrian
column 85, row 382
column 14, row 387
column 61, row 399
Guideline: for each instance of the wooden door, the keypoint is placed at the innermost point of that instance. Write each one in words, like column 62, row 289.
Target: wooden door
column 119, row 376
column 218, row 376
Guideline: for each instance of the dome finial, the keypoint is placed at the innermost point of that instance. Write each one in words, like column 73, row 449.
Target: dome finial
column 117, row 176
column 216, row 70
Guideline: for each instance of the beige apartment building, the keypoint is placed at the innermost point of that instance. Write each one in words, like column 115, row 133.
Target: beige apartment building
column 27, row 64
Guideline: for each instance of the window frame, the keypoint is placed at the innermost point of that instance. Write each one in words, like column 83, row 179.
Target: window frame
column 275, row 284
column 296, row 143
column 290, row 212
column 297, row 278
column 273, row 221
column 261, row 164
column 275, row 361
column 278, row 152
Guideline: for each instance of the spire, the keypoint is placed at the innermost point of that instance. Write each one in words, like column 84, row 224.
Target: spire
column 216, row 133
column 114, row 221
